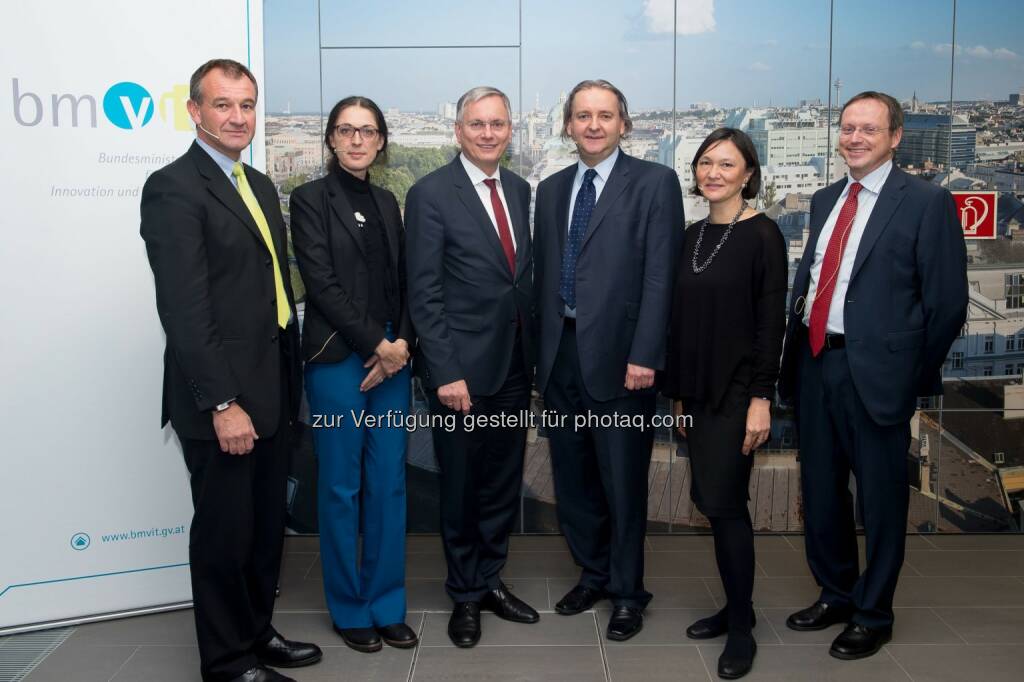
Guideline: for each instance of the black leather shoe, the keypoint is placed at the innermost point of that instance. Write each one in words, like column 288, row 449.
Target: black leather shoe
column 506, row 605
column 578, row 600
column 399, row 635
column 464, row 625
column 361, row 639
column 261, row 674
column 738, row 657
column 714, row 626
column 817, row 617
column 625, row 622
column 284, row 653
column 857, row 641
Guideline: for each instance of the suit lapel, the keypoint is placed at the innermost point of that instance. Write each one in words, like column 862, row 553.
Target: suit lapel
column 343, row 210
column 888, row 200
column 617, row 181
column 222, row 188
column 469, row 197
column 563, row 197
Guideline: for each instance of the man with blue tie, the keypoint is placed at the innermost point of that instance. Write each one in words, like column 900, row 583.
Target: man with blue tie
column 216, row 243
column 607, row 233
column 879, row 297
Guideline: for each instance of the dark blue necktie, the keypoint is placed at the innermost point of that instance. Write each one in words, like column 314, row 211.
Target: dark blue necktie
column 585, row 200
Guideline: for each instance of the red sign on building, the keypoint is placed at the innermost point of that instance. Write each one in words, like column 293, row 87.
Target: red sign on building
column 977, row 211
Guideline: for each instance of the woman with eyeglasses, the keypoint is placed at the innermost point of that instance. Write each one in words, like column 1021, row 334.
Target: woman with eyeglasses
column 725, row 340
column 350, row 246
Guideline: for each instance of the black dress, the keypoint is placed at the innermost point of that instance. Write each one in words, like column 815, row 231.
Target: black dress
column 725, row 341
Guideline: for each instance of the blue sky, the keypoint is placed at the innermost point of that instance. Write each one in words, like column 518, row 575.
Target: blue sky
column 729, row 52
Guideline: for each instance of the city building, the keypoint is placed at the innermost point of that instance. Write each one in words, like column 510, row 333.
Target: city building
column 930, row 137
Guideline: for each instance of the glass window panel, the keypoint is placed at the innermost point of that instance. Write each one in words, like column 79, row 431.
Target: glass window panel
column 414, row 23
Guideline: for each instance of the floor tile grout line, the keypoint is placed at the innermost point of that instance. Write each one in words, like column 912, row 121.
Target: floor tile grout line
column 601, row 648
column 547, row 587
column 711, row 594
column 121, row 667
column 305, row 576
column 898, row 664
column 416, row 653
column 764, row 617
column 707, row 670
column 943, row 621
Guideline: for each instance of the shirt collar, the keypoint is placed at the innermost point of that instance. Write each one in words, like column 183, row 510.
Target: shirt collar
column 873, row 181
column 604, row 168
column 225, row 162
column 477, row 176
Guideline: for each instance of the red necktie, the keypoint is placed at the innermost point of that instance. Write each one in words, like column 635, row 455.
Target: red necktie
column 830, row 270
column 504, row 233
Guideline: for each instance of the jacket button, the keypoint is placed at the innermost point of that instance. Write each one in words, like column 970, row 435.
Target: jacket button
column 273, row 339
column 273, row 302
column 267, row 262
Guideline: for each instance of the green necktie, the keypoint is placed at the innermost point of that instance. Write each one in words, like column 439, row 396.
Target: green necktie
column 283, row 313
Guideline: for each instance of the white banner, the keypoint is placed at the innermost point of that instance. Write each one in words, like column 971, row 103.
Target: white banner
column 95, row 501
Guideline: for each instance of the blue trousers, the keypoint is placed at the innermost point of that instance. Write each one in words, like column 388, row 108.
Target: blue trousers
column 361, row 485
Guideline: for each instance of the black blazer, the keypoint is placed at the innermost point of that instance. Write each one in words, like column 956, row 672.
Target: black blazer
column 624, row 273
column 465, row 303
column 907, row 298
column 216, row 297
column 332, row 260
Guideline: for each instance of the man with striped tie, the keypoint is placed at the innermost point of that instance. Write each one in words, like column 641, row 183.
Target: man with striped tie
column 879, row 297
column 216, row 243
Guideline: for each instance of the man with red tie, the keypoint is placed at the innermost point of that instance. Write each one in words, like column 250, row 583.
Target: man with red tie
column 879, row 297
column 470, row 274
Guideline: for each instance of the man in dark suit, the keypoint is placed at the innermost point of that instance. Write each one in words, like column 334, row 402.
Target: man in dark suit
column 216, row 243
column 470, row 276
column 608, row 233
column 879, row 297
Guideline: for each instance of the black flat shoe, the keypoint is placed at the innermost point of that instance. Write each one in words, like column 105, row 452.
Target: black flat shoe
column 579, row 599
column 625, row 622
column 818, row 616
column 398, row 635
column 714, row 626
column 506, row 605
column 261, row 674
column 738, row 657
column 464, row 624
column 284, row 653
column 365, row 640
column 857, row 641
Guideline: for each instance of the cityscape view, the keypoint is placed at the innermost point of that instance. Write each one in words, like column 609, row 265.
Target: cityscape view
column 688, row 67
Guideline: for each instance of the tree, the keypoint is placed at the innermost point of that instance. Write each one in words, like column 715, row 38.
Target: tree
column 769, row 194
column 293, row 181
column 397, row 180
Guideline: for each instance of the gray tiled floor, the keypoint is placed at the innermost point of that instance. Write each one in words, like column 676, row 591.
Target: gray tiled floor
column 959, row 616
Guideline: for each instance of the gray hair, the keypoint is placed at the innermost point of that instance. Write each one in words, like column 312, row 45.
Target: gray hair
column 478, row 93
column 604, row 85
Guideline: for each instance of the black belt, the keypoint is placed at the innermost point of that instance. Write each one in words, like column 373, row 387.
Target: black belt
column 834, row 341
column 570, row 322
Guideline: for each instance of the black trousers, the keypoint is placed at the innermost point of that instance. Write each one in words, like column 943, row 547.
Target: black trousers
column 235, row 545
column 837, row 436
column 600, row 476
column 481, row 481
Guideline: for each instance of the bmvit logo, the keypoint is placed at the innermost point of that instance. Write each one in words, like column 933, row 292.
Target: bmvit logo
column 126, row 105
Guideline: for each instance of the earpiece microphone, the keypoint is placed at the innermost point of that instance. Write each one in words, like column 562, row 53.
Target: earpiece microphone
column 200, row 126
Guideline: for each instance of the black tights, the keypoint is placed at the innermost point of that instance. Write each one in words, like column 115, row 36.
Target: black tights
column 734, row 552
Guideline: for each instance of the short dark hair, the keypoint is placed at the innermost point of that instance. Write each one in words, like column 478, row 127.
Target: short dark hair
column 378, row 115
column 747, row 150
column 895, row 110
column 587, row 85
column 231, row 69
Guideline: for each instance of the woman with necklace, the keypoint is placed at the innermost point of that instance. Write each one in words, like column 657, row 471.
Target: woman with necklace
column 350, row 246
column 725, row 340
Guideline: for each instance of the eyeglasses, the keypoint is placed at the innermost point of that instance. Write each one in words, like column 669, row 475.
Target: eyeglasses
column 496, row 125
column 867, row 131
column 366, row 132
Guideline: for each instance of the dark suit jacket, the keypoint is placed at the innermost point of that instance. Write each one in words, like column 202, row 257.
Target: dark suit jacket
column 906, row 301
column 216, row 297
column 624, row 273
column 465, row 304
column 332, row 260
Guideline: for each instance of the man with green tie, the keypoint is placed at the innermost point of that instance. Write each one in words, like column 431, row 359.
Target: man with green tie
column 216, row 243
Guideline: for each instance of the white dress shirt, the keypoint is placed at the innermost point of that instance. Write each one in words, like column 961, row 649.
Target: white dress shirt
column 871, row 186
column 477, row 177
column 226, row 163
